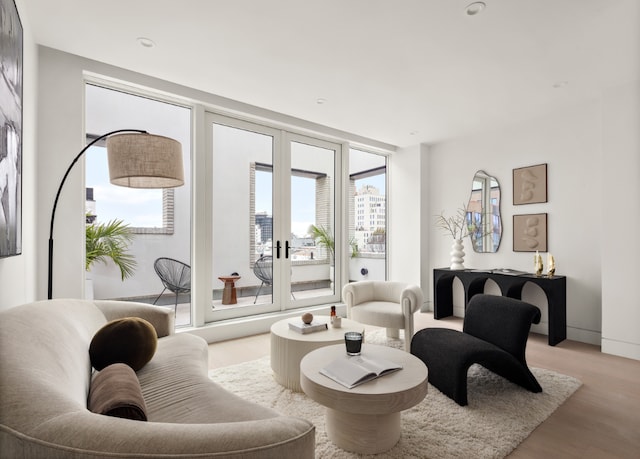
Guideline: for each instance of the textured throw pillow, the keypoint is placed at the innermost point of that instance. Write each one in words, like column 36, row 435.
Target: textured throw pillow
column 130, row 340
column 115, row 391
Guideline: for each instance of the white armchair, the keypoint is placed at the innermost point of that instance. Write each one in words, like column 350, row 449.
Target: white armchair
column 384, row 304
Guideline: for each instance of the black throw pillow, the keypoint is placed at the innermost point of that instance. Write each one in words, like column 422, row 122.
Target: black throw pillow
column 131, row 340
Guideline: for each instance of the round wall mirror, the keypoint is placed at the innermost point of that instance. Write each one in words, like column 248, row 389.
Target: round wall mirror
column 483, row 213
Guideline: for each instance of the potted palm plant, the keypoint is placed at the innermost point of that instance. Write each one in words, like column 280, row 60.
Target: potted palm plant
column 324, row 238
column 110, row 241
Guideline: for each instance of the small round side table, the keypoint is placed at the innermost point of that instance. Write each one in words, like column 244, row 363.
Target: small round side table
column 229, row 295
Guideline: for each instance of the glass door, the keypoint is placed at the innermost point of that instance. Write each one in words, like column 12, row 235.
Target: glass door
column 270, row 191
column 244, row 219
column 314, row 222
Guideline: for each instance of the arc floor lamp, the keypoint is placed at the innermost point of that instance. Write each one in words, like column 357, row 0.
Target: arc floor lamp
column 137, row 159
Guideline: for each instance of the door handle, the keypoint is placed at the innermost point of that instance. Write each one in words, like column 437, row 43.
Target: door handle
column 286, row 249
column 278, row 249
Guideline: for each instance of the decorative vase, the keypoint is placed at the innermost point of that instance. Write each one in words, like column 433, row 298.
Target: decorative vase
column 457, row 255
column 537, row 264
column 551, row 266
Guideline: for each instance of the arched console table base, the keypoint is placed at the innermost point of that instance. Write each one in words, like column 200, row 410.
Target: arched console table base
column 555, row 288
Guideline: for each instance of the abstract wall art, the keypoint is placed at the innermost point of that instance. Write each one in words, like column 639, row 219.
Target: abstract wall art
column 11, row 45
column 530, row 233
column 530, row 184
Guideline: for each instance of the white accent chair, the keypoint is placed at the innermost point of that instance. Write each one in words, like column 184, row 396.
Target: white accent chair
column 384, row 304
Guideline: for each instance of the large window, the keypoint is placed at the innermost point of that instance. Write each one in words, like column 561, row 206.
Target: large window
column 273, row 225
column 160, row 220
column 368, row 214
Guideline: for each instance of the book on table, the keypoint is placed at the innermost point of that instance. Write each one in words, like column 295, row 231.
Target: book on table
column 351, row 371
column 300, row 327
column 508, row 272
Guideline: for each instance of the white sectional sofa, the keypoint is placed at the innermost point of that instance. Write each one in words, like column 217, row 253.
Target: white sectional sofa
column 45, row 376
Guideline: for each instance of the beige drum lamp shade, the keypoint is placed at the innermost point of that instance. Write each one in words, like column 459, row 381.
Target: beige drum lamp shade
column 141, row 160
column 137, row 159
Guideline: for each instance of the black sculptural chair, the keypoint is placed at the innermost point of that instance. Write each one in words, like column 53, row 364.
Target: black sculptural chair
column 494, row 335
column 175, row 276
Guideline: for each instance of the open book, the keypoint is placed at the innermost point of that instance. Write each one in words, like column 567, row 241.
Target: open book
column 353, row 371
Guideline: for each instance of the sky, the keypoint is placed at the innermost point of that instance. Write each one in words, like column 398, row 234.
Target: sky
column 136, row 206
column 143, row 207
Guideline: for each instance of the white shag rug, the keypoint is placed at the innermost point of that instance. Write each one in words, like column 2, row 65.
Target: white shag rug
column 499, row 416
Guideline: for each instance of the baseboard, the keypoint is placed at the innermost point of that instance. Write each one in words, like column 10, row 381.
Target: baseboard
column 252, row 325
column 584, row 336
column 621, row 349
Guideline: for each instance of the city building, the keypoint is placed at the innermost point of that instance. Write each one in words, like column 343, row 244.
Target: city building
column 370, row 219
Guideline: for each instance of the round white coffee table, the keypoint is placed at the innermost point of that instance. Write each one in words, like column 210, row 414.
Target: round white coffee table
column 365, row 419
column 288, row 347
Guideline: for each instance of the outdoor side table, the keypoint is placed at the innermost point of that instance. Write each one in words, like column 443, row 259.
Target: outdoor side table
column 229, row 295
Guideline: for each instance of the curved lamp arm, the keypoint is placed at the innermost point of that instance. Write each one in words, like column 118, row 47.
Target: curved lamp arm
column 55, row 203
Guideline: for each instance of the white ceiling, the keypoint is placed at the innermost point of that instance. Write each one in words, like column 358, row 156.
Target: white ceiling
column 397, row 71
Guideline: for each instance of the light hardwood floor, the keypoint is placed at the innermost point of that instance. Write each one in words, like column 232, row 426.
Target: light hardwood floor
column 601, row 420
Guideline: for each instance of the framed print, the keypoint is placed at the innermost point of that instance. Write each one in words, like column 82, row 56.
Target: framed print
column 10, row 130
column 530, row 184
column 530, row 233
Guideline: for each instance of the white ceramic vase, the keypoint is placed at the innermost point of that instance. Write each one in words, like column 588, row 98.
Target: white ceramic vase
column 457, row 255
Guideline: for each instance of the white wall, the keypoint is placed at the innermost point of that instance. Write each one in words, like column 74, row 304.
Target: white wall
column 426, row 274
column 60, row 138
column 404, row 215
column 620, row 217
column 592, row 153
column 375, row 266
column 17, row 274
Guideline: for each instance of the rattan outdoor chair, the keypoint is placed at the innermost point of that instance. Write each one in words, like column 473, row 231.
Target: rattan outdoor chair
column 175, row 276
column 263, row 269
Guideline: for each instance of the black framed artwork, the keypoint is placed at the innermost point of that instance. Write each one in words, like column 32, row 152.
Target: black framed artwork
column 11, row 57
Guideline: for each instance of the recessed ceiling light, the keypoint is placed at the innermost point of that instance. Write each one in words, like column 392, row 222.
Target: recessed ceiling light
column 413, row 132
column 146, row 42
column 560, row 84
column 320, row 100
column 475, row 8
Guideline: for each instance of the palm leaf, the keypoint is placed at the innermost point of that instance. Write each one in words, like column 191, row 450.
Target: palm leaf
column 110, row 240
column 324, row 238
